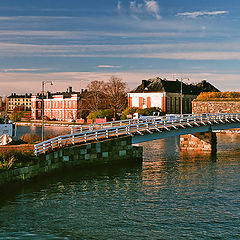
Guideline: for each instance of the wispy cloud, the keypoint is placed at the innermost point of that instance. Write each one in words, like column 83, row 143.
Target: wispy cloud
column 149, row 6
column 153, row 8
column 108, row 66
column 24, row 69
column 119, row 5
column 31, row 82
column 201, row 13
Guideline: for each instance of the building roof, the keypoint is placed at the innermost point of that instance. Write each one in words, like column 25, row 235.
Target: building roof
column 14, row 95
column 66, row 94
column 163, row 85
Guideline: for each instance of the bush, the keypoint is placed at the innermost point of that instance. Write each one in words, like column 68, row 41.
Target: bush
column 218, row 96
column 30, row 138
column 16, row 115
column 149, row 111
column 108, row 113
column 143, row 112
column 12, row 159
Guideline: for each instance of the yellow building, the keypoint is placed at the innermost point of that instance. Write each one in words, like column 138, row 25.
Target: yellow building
column 19, row 101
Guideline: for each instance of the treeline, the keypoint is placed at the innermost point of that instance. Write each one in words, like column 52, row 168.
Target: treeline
column 218, row 96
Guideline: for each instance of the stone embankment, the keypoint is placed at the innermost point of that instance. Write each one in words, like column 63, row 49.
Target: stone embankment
column 206, row 141
column 216, row 107
column 106, row 152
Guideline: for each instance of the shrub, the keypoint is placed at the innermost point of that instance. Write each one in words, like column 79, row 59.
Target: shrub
column 144, row 111
column 16, row 115
column 108, row 113
column 218, row 96
column 149, row 111
column 12, row 159
column 30, row 138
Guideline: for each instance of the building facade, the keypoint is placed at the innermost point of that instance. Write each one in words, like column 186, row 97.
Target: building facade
column 19, row 101
column 170, row 96
column 59, row 106
column 66, row 106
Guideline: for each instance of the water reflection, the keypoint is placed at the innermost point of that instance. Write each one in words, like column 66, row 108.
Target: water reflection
column 164, row 164
column 48, row 130
column 173, row 195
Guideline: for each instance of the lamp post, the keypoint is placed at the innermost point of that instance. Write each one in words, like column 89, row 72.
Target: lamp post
column 43, row 90
column 181, row 98
column 181, row 95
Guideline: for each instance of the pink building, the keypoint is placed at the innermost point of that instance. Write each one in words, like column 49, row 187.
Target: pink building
column 59, row 106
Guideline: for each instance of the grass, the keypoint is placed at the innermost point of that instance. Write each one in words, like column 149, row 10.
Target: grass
column 11, row 159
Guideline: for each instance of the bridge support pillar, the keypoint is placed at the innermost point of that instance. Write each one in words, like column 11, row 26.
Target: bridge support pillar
column 206, row 141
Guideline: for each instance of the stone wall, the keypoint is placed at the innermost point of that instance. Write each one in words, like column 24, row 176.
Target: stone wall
column 206, row 141
column 216, row 107
column 106, row 152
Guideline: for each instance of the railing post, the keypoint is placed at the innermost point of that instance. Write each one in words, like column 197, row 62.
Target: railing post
column 73, row 139
column 117, row 132
column 96, row 135
column 44, row 148
column 60, row 142
column 107, row 134
column 85, row 137
column 35, row 150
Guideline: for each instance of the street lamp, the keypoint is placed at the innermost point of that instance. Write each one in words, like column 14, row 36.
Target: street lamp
column 181, row 98
column 43, row 90
column 181, row 95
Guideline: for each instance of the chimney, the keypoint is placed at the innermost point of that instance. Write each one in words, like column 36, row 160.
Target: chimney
column 69, row 90
column 144, row 83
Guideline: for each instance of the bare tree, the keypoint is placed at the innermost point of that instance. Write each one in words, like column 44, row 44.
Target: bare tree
column 92, row 100
column 116, row 91
column 95, row 95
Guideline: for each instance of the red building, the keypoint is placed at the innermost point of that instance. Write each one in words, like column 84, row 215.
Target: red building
column 60, row 106
column 68, row 106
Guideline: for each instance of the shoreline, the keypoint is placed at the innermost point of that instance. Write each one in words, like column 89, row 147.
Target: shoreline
column 45, row 124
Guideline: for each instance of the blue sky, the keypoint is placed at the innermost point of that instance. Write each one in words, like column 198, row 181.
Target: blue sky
column 73, row 42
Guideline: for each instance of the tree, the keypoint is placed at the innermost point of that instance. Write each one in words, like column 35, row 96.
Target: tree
column 92, row 100
column 116, row 92
column 16, row 115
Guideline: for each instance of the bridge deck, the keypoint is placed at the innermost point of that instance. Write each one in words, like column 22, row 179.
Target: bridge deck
column 145, row 129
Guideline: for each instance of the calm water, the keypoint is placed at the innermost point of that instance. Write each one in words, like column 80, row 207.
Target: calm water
column 48, row 130
column 169, row 196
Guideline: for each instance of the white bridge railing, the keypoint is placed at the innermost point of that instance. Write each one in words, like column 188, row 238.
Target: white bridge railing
column 82, row 134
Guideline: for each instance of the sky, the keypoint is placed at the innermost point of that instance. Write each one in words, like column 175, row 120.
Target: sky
column 73, row 42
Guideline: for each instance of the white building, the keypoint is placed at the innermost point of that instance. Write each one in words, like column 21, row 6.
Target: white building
column 167, row 95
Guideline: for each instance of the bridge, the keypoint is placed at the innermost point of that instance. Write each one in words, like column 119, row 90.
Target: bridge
column 143, row 129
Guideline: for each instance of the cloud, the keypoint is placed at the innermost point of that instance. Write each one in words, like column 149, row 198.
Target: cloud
column 136, row 7
column 153, row 8
column 201, row 13
column 25, row 69
column 108, row 66
column 149, row 6
column 205, row 55
column 119, row 5
column 31, row 82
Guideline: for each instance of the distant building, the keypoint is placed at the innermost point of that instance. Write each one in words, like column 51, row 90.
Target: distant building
column 63, row 106
column 166, row 94
column 19, row 101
